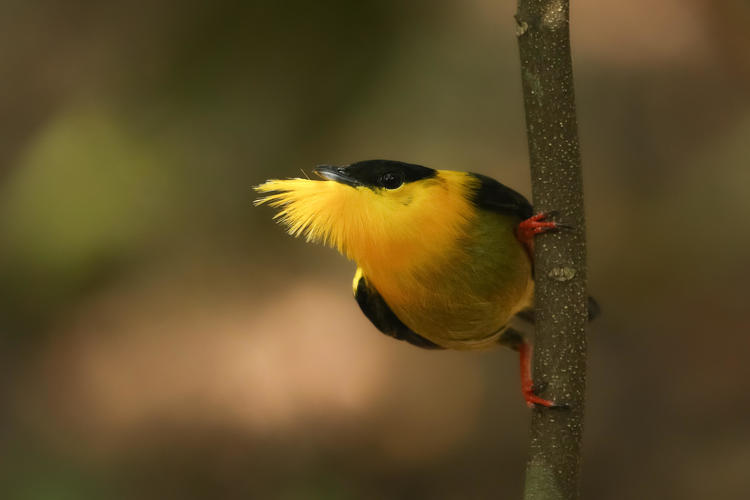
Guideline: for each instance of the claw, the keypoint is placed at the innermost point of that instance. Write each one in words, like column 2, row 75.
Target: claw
column 532, row 400
column 528, row 389
column 534, row 225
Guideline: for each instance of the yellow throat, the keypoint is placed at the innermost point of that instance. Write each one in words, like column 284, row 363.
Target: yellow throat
column 397, row 230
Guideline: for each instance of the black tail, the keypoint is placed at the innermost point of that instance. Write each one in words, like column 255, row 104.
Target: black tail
column 594, row 309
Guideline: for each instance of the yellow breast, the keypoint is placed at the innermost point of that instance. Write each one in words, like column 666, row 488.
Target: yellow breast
column 451, row 272
column 465, row 298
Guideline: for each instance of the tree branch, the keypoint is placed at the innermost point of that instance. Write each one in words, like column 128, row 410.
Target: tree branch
column 554, row 461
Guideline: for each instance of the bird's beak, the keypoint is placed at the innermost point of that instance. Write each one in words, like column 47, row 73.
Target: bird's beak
column 338, row 174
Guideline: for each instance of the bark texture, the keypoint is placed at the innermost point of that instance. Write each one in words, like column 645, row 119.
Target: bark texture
column 560, row 258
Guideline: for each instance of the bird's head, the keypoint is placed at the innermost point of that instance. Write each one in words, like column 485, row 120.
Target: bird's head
column 376, row 211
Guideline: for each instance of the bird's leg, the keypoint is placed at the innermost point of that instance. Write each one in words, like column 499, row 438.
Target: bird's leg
column 527, row 385
column 513, row 339
column 534, row 225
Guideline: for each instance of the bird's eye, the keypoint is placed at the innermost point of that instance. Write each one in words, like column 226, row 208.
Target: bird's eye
column 391, row 180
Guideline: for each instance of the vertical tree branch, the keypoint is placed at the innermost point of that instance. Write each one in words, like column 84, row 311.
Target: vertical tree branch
column 560, row 258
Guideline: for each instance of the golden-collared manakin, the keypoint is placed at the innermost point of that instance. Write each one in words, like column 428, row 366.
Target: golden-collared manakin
column 444, row 258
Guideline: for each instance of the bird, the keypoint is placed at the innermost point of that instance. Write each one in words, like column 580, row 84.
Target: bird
column 444, row 258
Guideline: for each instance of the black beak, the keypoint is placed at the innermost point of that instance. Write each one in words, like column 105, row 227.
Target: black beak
column 338, row 174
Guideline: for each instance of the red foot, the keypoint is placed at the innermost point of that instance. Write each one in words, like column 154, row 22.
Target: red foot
column 532, row 226
column 527, row 386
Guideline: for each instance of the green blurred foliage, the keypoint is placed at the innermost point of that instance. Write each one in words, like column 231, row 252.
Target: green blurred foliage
column 84, row 198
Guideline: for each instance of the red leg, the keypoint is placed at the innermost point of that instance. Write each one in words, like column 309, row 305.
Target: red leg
column 532, row 226
column 527, row 386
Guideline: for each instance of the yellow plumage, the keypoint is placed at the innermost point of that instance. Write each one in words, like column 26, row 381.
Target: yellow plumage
column 452, row 273
column 402, row 228
column 443, row 257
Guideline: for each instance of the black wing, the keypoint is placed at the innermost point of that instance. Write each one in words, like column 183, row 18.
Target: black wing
column 496, row 197
column 378, row 312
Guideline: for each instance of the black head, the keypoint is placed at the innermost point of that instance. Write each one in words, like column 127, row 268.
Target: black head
column 374, row 174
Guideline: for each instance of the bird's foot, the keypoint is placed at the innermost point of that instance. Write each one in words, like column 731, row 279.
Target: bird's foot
column 528, row 388
column 532, row 400
column 536, row 224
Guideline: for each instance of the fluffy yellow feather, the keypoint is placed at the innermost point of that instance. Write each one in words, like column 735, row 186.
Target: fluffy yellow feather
column 400, row 229
column 443, row 257
column 422, row 245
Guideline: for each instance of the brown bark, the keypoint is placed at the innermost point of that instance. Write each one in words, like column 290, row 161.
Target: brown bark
column 560, row 258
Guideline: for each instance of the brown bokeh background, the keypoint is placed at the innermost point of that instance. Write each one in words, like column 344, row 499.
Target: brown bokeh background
column 161, row 338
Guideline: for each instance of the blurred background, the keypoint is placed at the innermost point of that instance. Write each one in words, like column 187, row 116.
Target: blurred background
column 161, row 338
